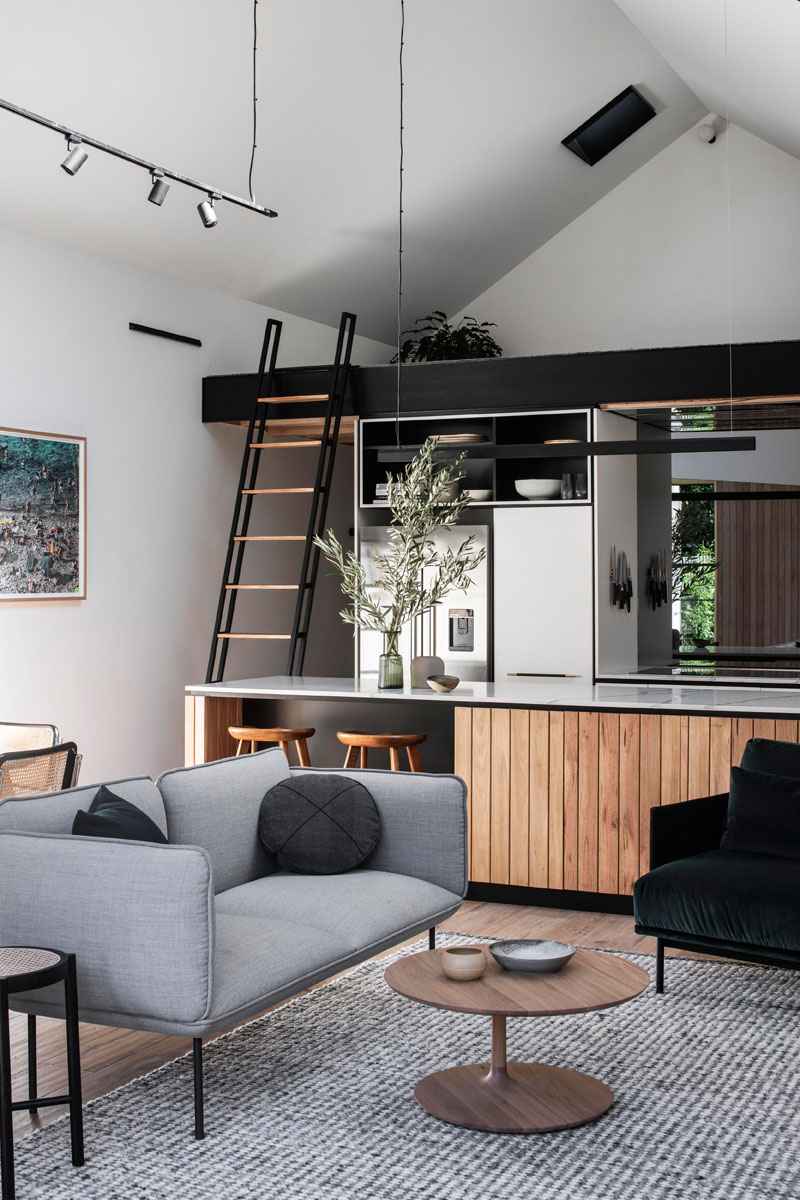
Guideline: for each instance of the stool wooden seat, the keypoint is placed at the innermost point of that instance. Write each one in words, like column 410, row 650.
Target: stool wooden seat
column 256, row 737
column 355, row 740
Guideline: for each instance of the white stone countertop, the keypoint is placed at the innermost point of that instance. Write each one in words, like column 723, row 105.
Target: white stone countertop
column 525, row 693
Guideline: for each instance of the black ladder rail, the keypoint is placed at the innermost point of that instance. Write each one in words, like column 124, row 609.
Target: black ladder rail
column 321, row 495
column 250, row 459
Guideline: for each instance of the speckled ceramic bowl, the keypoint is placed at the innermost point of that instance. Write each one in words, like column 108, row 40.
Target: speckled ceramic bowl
column 443, row 683
column 535, row 956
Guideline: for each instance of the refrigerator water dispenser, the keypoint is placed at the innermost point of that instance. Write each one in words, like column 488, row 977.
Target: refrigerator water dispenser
column 462, row 629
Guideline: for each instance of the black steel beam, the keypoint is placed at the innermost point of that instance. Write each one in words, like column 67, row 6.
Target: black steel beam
column 547, row 381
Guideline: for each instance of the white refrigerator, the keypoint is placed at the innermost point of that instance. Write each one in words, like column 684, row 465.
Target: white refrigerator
column 457, row 629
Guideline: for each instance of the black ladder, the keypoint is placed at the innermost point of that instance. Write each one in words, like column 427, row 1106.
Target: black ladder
column 248, row 480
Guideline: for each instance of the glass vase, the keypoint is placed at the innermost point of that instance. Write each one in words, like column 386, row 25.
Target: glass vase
column 390, row 663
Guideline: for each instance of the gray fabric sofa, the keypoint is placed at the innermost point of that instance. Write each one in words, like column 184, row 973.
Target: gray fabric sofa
column 191, row 937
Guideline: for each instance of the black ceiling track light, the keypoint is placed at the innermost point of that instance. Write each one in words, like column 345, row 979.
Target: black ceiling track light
column 77, row 156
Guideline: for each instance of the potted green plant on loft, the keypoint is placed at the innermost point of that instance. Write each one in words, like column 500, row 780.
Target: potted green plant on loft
column 434, row 339
column 412, row 573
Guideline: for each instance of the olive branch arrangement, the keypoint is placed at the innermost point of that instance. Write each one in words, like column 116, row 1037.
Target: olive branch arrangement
column 420, row 505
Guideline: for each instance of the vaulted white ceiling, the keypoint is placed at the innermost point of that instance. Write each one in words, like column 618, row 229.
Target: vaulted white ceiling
column 740, row 57
column 491, row 88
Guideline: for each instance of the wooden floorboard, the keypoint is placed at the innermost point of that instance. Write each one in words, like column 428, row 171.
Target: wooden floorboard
column 111, row 1058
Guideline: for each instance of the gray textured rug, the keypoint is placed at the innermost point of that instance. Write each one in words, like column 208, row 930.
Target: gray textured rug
column 314, row 1102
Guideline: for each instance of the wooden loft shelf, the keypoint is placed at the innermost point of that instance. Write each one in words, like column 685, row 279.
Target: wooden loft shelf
column 712, row 402
column 310, row 428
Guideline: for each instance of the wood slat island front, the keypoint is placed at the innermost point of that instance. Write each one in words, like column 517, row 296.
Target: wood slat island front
column 561, row 799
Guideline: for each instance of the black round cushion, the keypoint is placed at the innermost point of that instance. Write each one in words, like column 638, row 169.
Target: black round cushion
column 319, row 824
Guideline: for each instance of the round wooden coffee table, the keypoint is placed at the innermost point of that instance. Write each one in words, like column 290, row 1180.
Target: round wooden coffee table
column 504, row 1097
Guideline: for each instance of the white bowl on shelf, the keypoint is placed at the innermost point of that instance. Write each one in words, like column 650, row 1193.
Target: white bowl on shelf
column 539, row 489
column 480, row 495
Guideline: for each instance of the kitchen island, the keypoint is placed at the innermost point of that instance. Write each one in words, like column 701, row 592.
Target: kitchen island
column 562, row 774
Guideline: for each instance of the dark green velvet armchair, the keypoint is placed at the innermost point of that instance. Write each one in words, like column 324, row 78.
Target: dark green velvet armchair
column 701, row 896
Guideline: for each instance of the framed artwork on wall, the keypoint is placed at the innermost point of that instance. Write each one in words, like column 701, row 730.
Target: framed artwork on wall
column 42, row 516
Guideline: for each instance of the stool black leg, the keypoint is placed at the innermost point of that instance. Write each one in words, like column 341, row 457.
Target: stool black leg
column 659, row 965
column 197, row 1056
column 432, row 938
column 74, row 1063
column 6, row 1116
column 32, row 1084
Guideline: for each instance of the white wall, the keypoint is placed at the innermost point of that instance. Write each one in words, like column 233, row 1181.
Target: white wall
column 110, row 670
column 648, row 264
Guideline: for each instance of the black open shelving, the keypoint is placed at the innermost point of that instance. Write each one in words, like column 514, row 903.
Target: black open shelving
column 493, row 464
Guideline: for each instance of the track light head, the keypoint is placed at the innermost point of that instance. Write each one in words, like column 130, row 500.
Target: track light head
column 76, row 157
column 707, row 133
column 158, row 192
column 207, row 211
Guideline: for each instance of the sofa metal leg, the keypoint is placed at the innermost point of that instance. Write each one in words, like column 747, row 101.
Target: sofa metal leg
column 432, row 938
column 197, row 1057
column 659, row 966
column 32, row 1081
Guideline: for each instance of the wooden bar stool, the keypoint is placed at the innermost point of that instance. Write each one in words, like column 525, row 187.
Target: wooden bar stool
column 257, row 737
column 355, row 740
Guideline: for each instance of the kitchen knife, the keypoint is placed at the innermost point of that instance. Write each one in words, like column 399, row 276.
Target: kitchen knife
column 612, row 576
column 628, row 584
column 664, row 580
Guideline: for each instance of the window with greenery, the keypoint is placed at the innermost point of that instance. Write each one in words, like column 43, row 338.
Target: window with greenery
column 694, row 563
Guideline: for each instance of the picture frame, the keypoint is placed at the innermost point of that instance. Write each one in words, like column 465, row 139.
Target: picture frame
column 42, row 515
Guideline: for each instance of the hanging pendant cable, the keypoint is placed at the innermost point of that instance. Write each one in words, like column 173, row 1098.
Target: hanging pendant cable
column 255, row 101
column 400, row 226
column 728, row 200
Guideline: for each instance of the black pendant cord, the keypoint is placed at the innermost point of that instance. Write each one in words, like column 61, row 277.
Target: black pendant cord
column 255, row 102
column 728, row 208
column 400, row 225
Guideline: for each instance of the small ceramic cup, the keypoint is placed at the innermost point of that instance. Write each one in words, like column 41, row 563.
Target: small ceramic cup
column 464, row 962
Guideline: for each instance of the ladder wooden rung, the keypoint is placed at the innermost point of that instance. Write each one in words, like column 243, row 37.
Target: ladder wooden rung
column 264, row 587
column 292, row 399
column 282, row 445
column 280, row 637
column 272, row 491
column 273, row 537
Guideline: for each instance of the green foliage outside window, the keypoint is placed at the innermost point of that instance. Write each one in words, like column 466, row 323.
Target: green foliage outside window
column 694, row 565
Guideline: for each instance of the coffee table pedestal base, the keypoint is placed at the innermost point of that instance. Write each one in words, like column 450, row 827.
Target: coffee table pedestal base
column 504, row 1097
column 530, row 1098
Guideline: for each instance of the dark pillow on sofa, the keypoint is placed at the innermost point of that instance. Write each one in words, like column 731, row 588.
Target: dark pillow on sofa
column 112, row 817
column 319, row 824
column 763, row 815
column 772, row 758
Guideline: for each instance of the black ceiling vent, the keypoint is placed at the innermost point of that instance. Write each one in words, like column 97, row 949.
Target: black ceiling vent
column 609, row 127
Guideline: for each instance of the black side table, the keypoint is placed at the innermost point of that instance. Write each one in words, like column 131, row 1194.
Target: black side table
column 23, row 969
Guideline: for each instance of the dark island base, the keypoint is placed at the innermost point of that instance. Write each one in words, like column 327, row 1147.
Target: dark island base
column 500, row 893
